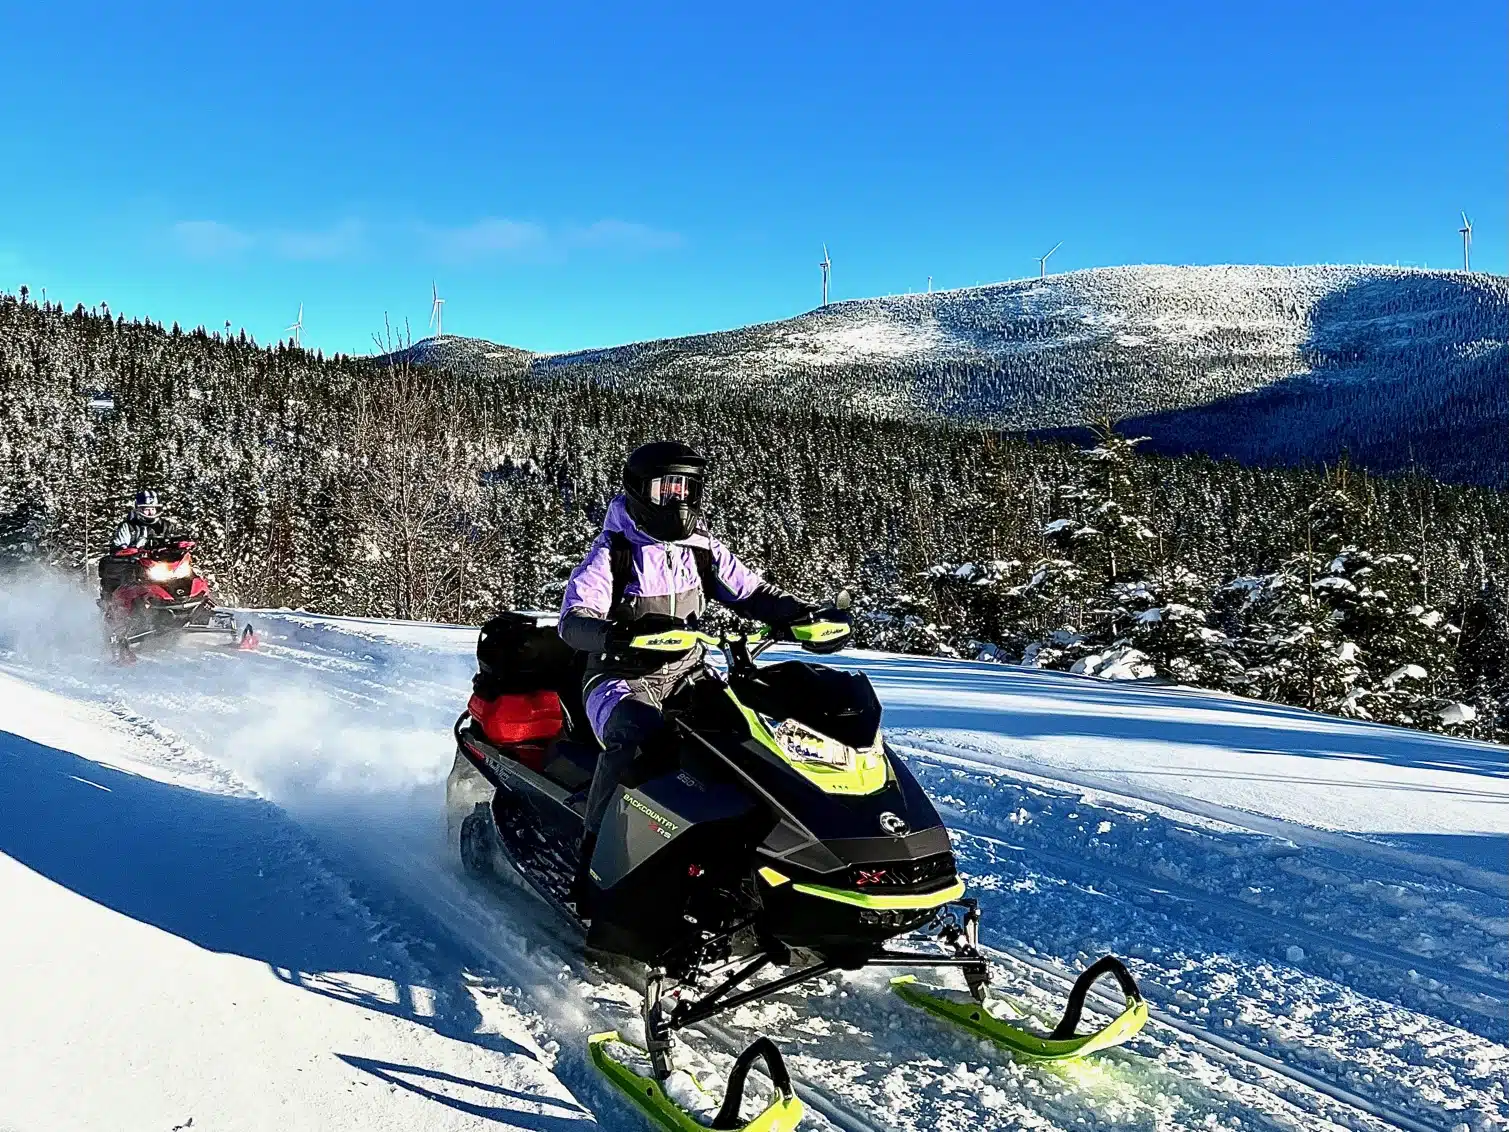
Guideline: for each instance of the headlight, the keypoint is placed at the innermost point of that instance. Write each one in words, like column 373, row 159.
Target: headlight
column 167, row 571
column 804, row 745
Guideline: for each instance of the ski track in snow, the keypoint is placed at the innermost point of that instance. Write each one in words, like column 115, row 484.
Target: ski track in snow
column 1283, row 960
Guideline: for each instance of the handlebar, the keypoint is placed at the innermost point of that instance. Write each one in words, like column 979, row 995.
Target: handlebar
column 682, row 640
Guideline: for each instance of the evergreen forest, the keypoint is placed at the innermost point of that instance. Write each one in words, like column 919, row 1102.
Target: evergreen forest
column 381, row 487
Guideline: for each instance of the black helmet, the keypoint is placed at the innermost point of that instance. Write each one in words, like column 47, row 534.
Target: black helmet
column 663, row 489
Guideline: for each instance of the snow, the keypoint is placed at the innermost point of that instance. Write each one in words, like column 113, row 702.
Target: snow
column 185, row 954
column 240, row 907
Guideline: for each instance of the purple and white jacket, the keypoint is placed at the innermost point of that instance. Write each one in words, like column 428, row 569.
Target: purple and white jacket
column 664, row 580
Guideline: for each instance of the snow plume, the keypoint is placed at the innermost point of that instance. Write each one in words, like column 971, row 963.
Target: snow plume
column 47, row 617
column 296, row 741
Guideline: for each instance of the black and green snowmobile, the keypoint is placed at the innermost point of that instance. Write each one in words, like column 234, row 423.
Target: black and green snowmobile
column 767, row 831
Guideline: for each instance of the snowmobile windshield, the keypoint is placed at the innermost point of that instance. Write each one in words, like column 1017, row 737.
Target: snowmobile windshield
column 663, row 490
column 836, row 704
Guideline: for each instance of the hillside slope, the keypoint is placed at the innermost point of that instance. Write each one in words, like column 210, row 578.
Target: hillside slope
column 1264, row 364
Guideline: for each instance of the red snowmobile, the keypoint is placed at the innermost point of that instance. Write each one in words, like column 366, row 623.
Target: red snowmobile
column 163, row 596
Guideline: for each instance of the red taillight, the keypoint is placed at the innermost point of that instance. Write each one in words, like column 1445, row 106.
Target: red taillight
column 870, row 878
column 694, row 870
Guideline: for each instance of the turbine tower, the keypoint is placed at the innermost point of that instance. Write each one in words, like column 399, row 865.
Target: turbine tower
column 436, row 305
column 827, row 266
column 297, row 328
column 1042, row 263
column 1466, row 232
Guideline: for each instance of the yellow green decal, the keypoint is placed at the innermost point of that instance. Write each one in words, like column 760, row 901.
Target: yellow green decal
column 662, row 824
column 820, row 631
column 677, row 640
column 884, row 901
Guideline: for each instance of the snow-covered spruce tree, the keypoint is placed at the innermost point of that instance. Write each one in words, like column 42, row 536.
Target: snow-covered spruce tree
column 1167, row 621
column 1344, row 629
column 1143, row 613
column 1483, row 666
column 1041, row 604
column 895, row 616
column 1297, row 648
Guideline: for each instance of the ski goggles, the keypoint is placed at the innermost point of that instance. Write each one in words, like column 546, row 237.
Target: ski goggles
column 666, row 490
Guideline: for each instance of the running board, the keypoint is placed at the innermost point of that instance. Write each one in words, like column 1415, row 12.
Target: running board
column 1064, row 1043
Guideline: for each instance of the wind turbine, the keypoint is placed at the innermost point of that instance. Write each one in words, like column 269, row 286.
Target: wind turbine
column 297, row 328
column 1466, row 231
column 436, row 305
column 1042, row 263
column 827, row 266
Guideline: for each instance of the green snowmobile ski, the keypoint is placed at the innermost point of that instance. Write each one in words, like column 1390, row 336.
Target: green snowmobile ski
column 1063, row 1043
column 783, row 1114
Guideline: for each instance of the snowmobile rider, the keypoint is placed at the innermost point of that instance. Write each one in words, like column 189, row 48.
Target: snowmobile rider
column 143, row 526
column 670, row 566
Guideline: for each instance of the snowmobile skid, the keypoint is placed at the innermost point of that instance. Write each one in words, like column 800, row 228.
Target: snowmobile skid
column 768, row 831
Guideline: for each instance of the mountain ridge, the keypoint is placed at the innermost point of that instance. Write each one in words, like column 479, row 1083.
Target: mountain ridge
column 1396, row 367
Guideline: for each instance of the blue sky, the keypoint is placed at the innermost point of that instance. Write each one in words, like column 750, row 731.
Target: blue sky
column 583, row 175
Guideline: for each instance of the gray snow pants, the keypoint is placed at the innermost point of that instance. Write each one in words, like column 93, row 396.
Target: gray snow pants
column 625, row 711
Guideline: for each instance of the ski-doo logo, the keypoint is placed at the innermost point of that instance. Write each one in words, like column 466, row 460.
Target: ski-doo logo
column 893, row 824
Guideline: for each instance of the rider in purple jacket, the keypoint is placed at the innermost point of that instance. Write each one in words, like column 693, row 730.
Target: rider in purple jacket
column 660, row 516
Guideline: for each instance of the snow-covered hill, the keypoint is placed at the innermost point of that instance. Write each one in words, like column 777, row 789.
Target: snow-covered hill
column 1265, row 364
column 238, row 906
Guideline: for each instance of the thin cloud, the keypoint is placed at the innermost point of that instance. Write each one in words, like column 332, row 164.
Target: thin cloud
column 339, row 242
column 623, row 235
column 527, row 240
column 491, row 237
column 214, row 240
column 210, row 239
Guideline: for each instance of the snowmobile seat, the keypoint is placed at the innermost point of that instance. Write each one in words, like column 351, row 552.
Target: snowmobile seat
column 570, row 763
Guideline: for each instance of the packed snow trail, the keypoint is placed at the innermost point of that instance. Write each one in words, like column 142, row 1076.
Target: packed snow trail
column 344, row 725
column 163, row 927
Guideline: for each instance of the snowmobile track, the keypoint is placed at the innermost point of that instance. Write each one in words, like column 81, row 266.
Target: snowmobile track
column 1229, row 1052
column 946, row 756
column 1403, row 961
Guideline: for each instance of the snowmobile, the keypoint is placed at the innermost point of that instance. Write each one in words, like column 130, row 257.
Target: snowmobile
column 767, row 828
column 164, row 596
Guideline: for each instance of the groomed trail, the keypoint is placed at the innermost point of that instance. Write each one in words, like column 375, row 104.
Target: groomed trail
column 1315, row 908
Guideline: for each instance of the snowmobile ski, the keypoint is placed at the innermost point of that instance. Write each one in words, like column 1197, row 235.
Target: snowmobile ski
column 1063, row 1043
column 782, row 1114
